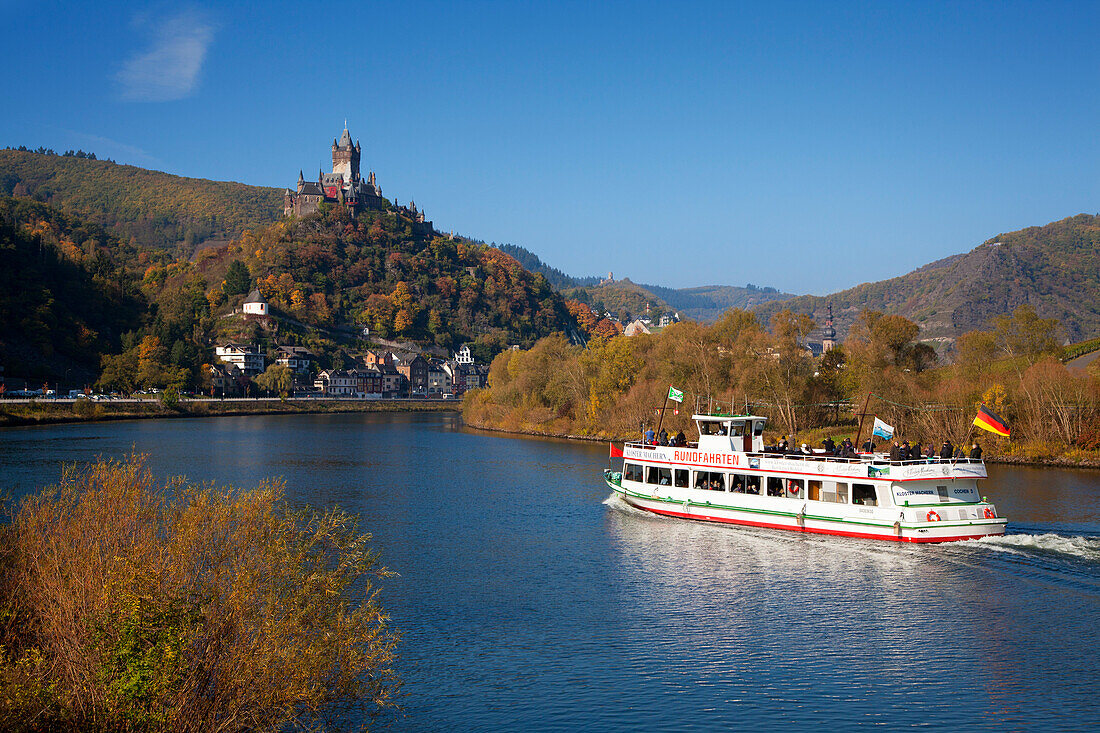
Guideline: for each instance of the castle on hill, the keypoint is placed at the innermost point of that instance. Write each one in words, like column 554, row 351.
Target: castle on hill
column 344, row 186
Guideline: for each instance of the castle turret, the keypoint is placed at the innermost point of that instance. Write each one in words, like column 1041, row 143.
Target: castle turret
column 301, row 180
column 345, row 158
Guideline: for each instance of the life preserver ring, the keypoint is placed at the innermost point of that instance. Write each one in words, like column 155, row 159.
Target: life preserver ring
column 792, row 487
column 989, row 513
column 932, row 516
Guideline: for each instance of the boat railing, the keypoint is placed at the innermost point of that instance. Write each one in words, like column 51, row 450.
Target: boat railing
column 877, row 459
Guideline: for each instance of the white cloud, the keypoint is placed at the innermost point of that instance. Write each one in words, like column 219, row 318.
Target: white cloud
column 169, row 66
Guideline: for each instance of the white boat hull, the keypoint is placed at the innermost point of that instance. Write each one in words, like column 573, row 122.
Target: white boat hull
column 887, row 523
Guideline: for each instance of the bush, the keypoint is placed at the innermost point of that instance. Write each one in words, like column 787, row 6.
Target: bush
column 128, row 605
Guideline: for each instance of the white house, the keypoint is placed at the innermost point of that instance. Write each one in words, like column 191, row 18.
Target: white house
column 255, row 304
column 635, row 328
column 246, row 357
column 462, row 356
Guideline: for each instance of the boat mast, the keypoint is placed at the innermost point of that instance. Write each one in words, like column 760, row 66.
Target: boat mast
column 862, row 416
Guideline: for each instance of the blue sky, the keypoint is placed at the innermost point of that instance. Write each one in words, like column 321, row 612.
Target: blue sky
column 805, row 146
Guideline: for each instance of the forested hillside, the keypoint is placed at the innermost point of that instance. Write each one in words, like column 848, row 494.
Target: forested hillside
column 150, row 208
column 384, row 272
column 1054, row 268
column 66, row 297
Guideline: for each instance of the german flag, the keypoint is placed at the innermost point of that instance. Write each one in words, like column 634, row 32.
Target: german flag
column 986, row 420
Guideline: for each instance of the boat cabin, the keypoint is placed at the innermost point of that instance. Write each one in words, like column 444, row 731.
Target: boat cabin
column 744, row 433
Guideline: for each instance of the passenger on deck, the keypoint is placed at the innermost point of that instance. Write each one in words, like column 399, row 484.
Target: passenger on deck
column 806, row 450
column 915, row 451
column 649, row 436
column 946, row 450
column 905, row 452
column 829, row 445
column 662, row 438
column 681, row 439
column 781, row 446
column 895, row 452
column 868, row 446
column 929, row 452
column 976, row 452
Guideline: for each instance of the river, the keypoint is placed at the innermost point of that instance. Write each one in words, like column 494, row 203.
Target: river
column 528, row 599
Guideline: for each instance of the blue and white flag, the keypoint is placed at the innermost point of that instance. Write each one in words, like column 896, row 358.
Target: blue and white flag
column 883, row 430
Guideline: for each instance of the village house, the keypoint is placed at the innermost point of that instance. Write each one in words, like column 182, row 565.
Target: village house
column 635, row 328
column 439, row 379
column 414, row 368
column 369, row 381
column 297, row 359
column 463, row 356
column 225, row 380
column 255, row 305
column 337, row 383
column 246, row 357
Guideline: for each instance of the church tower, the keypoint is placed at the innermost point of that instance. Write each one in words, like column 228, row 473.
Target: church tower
column 345, row 158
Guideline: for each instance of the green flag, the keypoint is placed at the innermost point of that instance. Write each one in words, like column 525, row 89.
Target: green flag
column 675, row 394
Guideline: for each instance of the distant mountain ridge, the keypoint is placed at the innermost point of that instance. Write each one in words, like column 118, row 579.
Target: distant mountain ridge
column 705, row 303
column 1055, row 268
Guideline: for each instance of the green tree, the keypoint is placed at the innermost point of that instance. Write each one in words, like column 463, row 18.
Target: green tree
column 276, row 378
column 238, row 280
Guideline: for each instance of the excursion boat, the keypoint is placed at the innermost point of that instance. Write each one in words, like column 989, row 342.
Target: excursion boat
column 728, row 477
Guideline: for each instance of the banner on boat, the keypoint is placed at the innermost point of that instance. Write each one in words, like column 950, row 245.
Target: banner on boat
column 674, row 394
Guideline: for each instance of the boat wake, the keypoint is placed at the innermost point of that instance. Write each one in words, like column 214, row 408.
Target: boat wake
column 616, row 502
column 1082, row 548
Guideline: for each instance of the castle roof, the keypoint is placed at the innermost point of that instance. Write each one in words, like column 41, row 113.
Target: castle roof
column 255, row 297
column 312, row 188
column 345, row 139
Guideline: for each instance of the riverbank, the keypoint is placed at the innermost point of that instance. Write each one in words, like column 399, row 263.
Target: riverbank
column 46, row 412
column 1014, row 454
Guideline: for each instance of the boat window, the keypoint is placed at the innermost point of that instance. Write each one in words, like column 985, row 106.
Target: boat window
column 710, row 480
column 942, row 492
column 737, row 429
column 632, row 472
column 863, row 494
column 758, row 427
column 834, row 491
column 660, row 476
column 795, row 488
column 752, row 485
column 738, row 481
column 708, row 428
column 682, row 477
column 775, row 486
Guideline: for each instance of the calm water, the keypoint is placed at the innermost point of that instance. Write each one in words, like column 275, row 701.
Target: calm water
column 528, row 599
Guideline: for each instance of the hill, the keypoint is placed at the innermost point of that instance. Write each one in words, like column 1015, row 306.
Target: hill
column 532, row 262
column 1055, row 268
column 66, row 297
column 151, row 208
column 401, row 280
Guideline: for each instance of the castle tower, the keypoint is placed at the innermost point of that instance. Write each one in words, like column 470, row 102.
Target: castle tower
column 345, row 158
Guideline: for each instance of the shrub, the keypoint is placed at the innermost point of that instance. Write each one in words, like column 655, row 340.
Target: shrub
column 128, row 605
